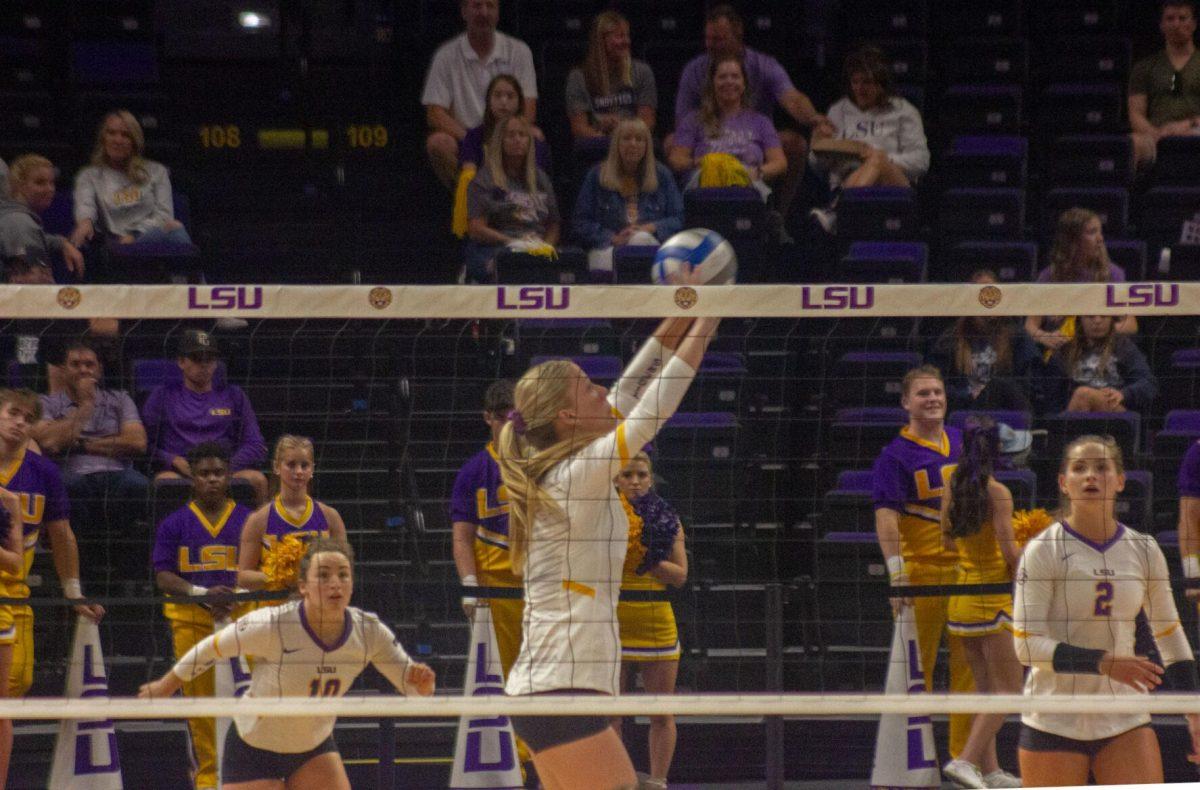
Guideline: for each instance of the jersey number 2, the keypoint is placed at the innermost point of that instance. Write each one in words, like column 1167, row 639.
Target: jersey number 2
column 1104, row 596
column 330, row 688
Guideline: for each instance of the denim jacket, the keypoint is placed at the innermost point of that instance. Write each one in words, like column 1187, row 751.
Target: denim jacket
column 600, row 212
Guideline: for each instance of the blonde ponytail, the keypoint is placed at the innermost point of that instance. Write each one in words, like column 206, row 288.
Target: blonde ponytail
column 528, row 448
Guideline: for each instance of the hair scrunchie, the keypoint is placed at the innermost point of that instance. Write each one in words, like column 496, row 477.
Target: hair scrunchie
column 518, row 422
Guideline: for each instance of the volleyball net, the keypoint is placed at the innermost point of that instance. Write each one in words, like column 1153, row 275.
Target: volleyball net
column 785, row 612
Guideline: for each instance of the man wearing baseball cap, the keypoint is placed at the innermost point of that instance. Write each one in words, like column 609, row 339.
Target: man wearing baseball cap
column 180, row 415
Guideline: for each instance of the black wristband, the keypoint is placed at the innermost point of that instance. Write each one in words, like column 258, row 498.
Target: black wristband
column 1182, row 676
column 1077, row 660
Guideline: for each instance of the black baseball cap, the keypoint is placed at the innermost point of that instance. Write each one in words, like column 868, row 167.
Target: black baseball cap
column 195, row 341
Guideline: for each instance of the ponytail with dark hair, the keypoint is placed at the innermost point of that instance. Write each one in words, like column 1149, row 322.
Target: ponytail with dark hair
column 970, row 505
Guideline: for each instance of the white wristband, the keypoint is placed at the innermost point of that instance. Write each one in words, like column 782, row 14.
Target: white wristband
column 71, row 588
column 1191, row 566
column 895, row 567
column 196, row 589
column 470, row 581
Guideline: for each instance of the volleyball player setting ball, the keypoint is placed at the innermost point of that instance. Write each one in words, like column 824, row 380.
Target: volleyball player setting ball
column 1080, row 586
column 567, row 438
column 291, row 512
column 313, row 647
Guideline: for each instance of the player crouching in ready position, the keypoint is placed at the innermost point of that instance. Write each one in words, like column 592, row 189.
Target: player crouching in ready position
column 314, row 647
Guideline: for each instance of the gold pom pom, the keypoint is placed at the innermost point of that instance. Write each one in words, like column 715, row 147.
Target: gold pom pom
column 1028, row 524
column 636, row 551
column 281, row 563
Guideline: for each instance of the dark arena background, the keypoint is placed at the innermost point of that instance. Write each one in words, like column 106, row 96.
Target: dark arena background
column 295, row 138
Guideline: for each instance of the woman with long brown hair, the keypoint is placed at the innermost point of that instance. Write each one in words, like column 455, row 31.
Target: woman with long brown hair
column 609, row 85
column 1100, row 370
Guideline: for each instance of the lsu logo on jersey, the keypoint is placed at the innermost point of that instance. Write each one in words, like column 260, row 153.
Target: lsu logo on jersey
column 33, row 508
column 926, row 491
column 220, row 412
column 209, row 558
column 484, row 509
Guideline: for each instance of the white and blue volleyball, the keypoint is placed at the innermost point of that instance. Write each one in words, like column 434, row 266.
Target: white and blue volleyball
column 698, row 248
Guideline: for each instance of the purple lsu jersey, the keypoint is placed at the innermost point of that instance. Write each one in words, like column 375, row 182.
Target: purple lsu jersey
column 1189, row 472
column 38, row 483
column 200, row 551
column 479, row 498
column 280, row 523
column 909, row 477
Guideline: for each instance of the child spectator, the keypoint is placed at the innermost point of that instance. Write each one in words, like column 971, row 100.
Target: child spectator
column 609, row 86
column 725, row 124
column 1078, row 255
column 123, row 195
column 987, row 361
column 458, row 75
column 510, row 203
column 629, row 198
column 179, row 416
column 892, row 149
column 30, row 193
column 1100, row 370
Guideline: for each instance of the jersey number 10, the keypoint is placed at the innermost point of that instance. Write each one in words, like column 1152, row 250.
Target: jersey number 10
column 329, row 688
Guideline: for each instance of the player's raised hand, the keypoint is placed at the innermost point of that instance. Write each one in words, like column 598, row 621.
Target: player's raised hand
column 421, row 678
column 1134, row 671
column 162, row 688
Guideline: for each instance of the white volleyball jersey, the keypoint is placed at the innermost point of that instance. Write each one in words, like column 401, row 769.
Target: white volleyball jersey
column 575, row 560
column 288, row 659
column 1070, row 589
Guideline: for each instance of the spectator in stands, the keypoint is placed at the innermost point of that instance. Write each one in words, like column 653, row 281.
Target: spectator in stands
column 95, row 433
column 610, row 85
column 123, row 195
column 3, row 177
column 510, row 203
column 180, row 415
column 987, row 361
column 458, row 77
column 726, row 124
column 504, row 98
column 890, row 146
column 1164, row 89
column 629, row 198
column 767, row 84
column 30, row 192
column 1100, row 370
column 1078, row 255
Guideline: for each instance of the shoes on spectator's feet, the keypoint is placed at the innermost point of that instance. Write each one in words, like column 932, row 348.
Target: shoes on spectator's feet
column 777, row 229
column 963, row 773
column 1001, row 778
column 826, row 218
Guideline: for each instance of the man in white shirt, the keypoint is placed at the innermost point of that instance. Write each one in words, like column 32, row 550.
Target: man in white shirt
column 458, row 78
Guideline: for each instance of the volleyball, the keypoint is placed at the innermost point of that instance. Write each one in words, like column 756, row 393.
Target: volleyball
column 698, row 248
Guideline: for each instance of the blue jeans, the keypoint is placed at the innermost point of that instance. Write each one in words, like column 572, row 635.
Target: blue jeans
column 159, row 236
column 108, row 511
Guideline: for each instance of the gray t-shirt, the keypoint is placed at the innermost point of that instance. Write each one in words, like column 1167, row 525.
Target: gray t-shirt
column 111, row 200
column 623, row 100
column 512, row 210
column 114, row 408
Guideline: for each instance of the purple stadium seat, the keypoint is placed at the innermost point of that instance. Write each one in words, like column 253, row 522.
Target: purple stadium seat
column 1092, row 160
column 1011, row 261
column 1111, row 203
column 884, row 262
column 982, row 109
column 1022, row 483
column 1081, row 107
column 1178, row 161
column 1134, row 504
column 151, row 373
column 1124, row 427
column 1167, row 449
column 982, row 214
column 857, row 435
column 877, row 213
column 979, row 18
column 872, row 415
column 631, row 265
column 698, row 457
column 986, row 161
column 1163, row 212
column 1087, row 59
column 899, row 18
column 1074, row 18
column 975, row 60
column 1187, row 420
column 737, row 213
column 1130, row 255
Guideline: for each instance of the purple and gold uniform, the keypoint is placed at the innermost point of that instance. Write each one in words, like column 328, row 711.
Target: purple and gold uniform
column 479, row 498
column 648, row 629
column 1189, row 480
column 280, row 523
column 203, row 553
column 909, row 477
column 38, row 483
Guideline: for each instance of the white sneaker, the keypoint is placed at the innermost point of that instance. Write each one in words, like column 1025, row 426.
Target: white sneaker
column 826, row 218
column 963, row 773
column 1001, row 778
